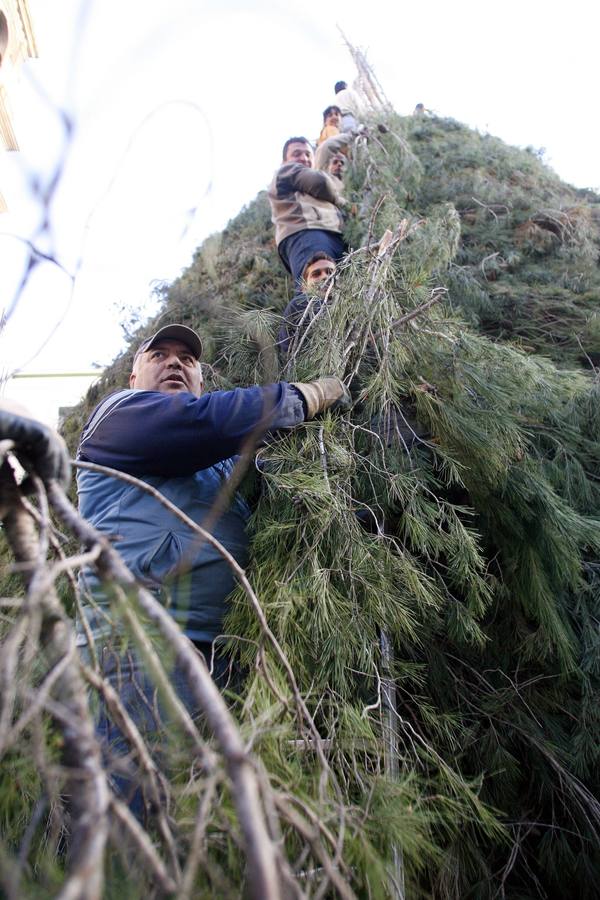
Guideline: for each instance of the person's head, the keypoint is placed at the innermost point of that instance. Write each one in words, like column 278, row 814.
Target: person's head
column 340, row 86
column 169, row 362
column 419, row 109
column 332, row 116
column 336, row 166
column 318, row 269
column 298, row 149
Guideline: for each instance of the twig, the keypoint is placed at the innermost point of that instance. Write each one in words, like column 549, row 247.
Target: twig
column 437, row 294
column 133, row 828
column 87, row 787
column 323, row 456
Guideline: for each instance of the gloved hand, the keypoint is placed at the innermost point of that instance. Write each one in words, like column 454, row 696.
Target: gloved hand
column 324, row 393
column 38, row 448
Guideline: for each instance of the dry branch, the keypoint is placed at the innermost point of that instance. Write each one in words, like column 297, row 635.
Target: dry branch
column 86, row 781
column 261, row 853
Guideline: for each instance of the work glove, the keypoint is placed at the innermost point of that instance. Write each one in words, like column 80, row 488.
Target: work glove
column 324, row 393
column 39, row 449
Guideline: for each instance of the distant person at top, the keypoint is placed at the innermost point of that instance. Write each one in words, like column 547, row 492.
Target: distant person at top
column 305, row 209
column 420, row 110
column 350, row 104
column 307, row 302
column 332, row 119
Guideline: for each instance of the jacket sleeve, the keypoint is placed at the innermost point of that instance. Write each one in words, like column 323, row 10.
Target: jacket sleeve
column 293, row 177
column 328, row 148
column 151, row 433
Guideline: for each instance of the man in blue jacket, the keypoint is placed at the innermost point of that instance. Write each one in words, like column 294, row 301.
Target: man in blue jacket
column 182, row 442
column 170, row 435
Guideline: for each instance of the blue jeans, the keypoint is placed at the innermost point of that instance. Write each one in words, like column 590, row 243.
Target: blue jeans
column 296, row 250
column 126, row 672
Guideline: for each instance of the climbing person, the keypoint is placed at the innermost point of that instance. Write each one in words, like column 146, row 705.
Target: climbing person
column 306, row 209
column 332, row 119
column 183, row 443
column 350, row 105
column 307, row 302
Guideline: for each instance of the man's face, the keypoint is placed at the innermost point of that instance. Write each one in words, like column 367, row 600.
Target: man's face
column 301, row 153
column 318, row 272
column 334, row 118
column 170, row 367
column 337, row 166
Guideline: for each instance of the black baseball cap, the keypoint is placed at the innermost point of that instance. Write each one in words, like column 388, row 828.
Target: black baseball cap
column 174, row 332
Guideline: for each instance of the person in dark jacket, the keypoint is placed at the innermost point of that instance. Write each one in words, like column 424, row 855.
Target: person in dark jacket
column 174, row 438
column 305, row 304
column 306, row 208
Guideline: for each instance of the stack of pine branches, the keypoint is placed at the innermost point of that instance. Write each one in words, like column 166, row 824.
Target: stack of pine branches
column 421, row 688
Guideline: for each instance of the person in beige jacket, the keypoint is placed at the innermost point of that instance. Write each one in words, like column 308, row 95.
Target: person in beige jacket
column 306, row 209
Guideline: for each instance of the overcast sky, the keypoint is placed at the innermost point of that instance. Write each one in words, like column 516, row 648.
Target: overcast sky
column 180, row 108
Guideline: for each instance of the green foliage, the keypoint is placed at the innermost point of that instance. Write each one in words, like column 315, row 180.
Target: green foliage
column 453, row 513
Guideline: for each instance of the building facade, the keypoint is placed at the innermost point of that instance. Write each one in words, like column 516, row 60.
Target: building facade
column 17, row 44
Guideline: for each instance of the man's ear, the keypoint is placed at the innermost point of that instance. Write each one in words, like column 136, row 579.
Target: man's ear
column 132, row 380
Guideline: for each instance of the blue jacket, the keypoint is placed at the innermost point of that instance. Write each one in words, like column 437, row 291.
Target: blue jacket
column 185, row 447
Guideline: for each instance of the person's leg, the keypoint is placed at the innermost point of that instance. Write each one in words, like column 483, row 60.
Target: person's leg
column 283, row 252
column 349, row 123
column 304, row 244
column 333, row 244
column 127, row 673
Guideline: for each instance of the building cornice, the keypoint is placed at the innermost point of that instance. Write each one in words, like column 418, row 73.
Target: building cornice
column 25, row 17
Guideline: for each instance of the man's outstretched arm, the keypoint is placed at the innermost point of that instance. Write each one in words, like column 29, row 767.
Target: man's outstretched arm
column 293, row 177
column 151, row 433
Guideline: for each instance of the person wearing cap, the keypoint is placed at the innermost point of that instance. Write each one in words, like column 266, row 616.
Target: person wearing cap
column 306, row 209
column 169, row 434
column 165, row 431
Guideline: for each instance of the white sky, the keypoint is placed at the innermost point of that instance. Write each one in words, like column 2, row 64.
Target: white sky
column 180, row 109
